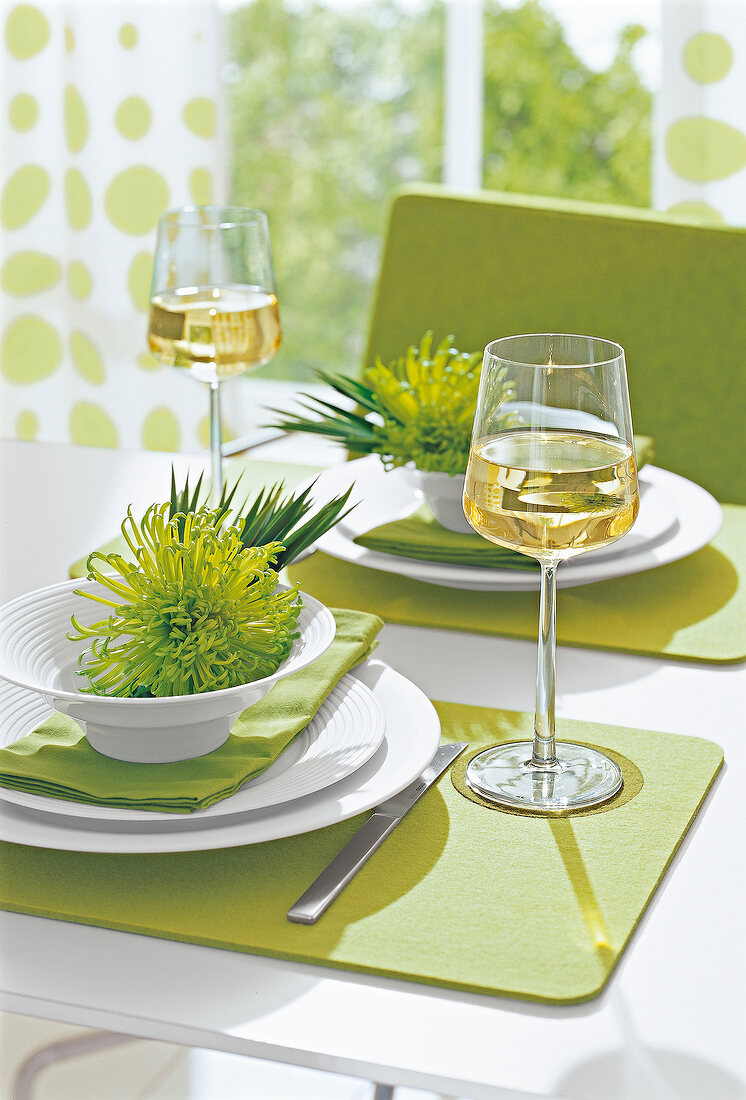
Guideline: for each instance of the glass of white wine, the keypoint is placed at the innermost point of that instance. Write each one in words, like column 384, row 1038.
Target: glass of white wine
column 551, row 474
column 213, row 301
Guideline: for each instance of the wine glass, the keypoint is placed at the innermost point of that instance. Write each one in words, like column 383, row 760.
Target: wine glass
column 551, row 474
column 213, row 301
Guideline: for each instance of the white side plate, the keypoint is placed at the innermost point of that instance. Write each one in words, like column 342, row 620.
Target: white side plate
column 676, row 518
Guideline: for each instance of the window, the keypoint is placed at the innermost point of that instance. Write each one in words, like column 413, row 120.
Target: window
column 332, row 105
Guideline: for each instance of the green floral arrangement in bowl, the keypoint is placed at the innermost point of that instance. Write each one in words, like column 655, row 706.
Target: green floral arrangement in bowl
column 418, row 410
column 197, row 612
column 198, row 607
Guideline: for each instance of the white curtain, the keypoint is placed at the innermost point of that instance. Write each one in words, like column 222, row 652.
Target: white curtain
column 700, row 124
column 111, row 114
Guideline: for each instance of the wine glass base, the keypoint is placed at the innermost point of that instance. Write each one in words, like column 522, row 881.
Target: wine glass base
column 506, row 775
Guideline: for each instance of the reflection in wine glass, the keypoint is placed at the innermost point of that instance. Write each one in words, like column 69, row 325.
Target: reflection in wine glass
column 551, row 474
column 213, row 301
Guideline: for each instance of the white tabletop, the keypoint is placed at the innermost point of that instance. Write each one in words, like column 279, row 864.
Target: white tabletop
column 671, row 1021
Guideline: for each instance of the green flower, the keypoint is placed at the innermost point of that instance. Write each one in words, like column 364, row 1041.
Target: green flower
column 196, row 611
column 427, row 406
column 419, row 409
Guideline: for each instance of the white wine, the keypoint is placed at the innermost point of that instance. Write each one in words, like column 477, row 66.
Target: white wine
column 551, row 493
column 214, row 332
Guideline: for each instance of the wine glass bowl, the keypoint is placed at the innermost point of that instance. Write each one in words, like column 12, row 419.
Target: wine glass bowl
column 551, row 474
column 550, row 493
column 214, row 333
column 213, row 300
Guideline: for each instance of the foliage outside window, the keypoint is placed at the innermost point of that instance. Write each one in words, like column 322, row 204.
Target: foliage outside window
column 552, row 125
column 333, row 108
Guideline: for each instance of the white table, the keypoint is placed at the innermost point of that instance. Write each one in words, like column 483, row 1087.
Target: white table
column 671, row 1021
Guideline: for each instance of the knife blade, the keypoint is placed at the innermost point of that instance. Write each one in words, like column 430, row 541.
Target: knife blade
column 369, row 837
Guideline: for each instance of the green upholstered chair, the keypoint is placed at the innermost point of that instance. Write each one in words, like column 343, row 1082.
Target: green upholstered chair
column 671, row 292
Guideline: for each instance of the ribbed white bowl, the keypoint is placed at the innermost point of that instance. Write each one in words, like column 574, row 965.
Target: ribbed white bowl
column 35, row 653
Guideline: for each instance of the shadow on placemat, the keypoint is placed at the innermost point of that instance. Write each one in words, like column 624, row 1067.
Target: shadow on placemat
column 216, row 892
column 692, row 609
column 564, row 835
column 659, row 603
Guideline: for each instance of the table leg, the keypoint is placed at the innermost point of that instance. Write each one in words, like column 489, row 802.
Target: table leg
column 23, row 1082
column 384, row 1092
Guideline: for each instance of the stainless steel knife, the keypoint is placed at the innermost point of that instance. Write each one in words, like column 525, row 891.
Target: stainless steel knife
column 369, row 837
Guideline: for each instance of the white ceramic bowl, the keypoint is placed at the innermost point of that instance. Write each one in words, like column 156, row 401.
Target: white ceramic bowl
column 443, row 495
column 35, row 653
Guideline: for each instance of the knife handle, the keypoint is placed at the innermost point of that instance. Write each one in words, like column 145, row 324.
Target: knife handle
column 333, row 879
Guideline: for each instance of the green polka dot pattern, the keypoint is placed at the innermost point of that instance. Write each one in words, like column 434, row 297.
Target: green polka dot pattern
column 26, row 31
column 31, row 350
column 701, row 163
column 23, row 195
column 199, row 117
column 77, row 199
column 23, row 112
column 160, row 431
column 133, row 118
column 90, row 168
column 203, row 431
column 138, row 280
column 76, row 120
column 27, row 425
column 29, row 273
column 200, row 186
column 148, row 361
column 91, row 425
column 79, row 279
column 707, row 57
column 86, row 358
column 699, row 211
column 135, row 199
column 128, row 36
column 704, row 149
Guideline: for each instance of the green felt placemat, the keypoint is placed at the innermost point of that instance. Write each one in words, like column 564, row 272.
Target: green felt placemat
column 693, row 609
column 459, row 895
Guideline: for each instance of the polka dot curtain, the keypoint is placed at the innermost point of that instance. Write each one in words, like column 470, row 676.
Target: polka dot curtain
column 700, row 158
column 111, row 115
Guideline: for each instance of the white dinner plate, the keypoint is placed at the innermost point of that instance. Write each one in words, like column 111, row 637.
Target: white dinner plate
column 676, row 518
column 410, row 739
column 345, row 732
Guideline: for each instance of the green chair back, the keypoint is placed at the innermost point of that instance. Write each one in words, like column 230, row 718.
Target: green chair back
column 671, row 292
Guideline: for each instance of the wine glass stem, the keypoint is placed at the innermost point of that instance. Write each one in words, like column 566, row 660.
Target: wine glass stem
column 216, row 445
column 544, row 747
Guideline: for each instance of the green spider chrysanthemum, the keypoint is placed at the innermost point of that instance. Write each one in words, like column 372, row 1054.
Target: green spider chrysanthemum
column 433, row 441
column 427, row 404
column 419, row 409
column 195, row 612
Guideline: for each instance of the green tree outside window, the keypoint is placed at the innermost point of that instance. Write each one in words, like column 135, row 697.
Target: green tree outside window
column 331, row 109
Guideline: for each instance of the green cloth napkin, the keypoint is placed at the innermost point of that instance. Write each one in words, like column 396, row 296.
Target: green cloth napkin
column 421, row 536
column 56, row 759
